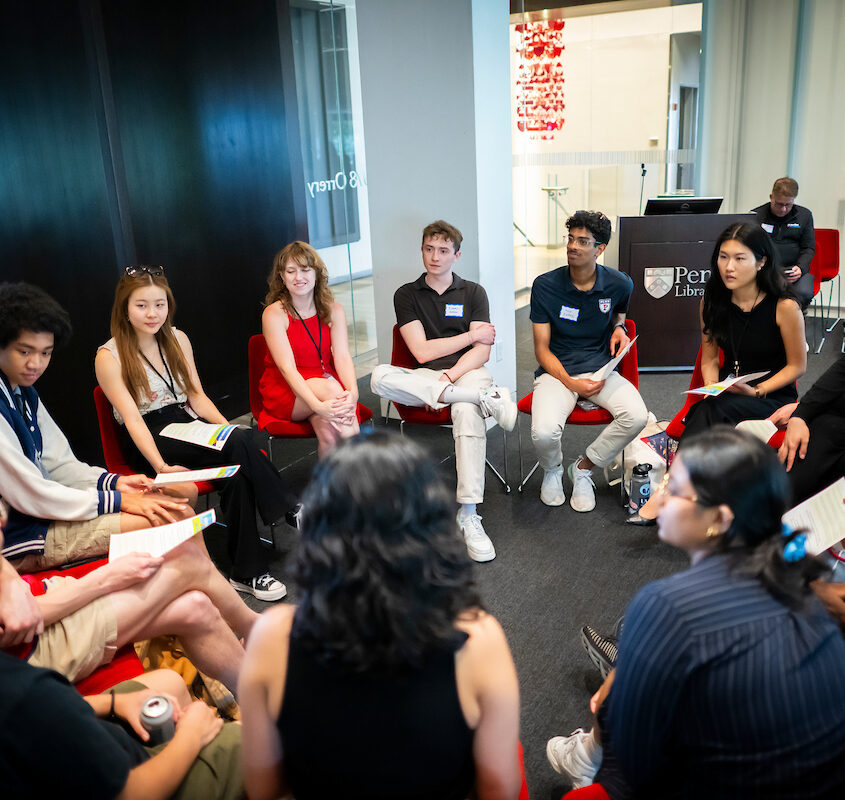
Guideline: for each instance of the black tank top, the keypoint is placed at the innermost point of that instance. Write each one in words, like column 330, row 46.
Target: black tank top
column 396, row 734
column 757, row 338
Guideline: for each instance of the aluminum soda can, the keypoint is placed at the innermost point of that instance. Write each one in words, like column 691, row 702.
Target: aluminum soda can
column 157, row 719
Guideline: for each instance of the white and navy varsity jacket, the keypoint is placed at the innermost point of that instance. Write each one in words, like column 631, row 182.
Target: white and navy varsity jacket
column 40, row 478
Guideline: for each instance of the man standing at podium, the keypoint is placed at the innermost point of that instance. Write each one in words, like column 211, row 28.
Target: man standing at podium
column 578, row 315
column 793, row 235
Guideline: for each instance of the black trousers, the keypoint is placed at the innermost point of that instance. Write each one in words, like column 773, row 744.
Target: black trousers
column 825, row 459
column 256, row 485
column 729, row 408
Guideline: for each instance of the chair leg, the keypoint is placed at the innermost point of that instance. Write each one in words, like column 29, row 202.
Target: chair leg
column 498, row 475
column 524, row 480
column 830, row 303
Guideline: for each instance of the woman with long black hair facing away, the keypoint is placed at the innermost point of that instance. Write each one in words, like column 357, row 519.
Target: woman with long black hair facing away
column 749, row 312
column 147, row 371
column 729, row 677
column 388, row 680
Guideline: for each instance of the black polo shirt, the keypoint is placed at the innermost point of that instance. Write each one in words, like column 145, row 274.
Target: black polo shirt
column 442, row 315
column 793, row 236
column 581, row 322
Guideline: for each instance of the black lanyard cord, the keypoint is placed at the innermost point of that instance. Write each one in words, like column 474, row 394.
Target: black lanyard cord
column 319, row 347
column 736, row 347
column 168, row 382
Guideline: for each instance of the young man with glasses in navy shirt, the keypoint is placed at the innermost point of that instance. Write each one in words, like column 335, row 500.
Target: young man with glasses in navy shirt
column 578, row 315
column 445, row 322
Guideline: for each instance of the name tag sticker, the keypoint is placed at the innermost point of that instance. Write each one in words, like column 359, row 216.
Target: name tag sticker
column 793, row 224
column 569, row 313
column 454, row 309
column 766, row 227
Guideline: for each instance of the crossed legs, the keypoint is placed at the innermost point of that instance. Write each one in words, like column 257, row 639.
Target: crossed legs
column 329, row 432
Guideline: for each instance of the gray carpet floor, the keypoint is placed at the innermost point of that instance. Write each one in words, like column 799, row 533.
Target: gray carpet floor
column 555, row 569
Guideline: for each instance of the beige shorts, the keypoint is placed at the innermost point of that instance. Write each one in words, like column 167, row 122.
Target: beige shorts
column 80, row 642
column 67, row 542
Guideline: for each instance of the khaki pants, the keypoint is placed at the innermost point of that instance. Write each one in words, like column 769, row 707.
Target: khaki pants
column 421, row 387
column 67, row 542
column 553, row 403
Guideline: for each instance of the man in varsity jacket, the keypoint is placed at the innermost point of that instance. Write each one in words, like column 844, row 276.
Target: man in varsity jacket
column 61, row 509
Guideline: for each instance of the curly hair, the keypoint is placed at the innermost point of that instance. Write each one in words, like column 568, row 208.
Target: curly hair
column 595, row 222
column 304, row 255
column 382, row 571
column 131, row 367
column 24, row 307
column 732, row 467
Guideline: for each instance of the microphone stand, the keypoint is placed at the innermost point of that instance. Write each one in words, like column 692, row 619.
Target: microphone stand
column 642, row 186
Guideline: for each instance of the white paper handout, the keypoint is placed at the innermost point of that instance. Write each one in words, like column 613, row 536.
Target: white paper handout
column 823, row 515
column 158, row 541
column 210, row 474
column 602, row 373
column 713, row 389
column 205, row 434
column 763, row 429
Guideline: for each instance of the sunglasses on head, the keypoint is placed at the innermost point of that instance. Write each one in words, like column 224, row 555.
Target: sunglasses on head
column 134, row 272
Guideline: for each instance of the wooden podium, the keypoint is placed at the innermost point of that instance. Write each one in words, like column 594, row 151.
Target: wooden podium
column 668, row 258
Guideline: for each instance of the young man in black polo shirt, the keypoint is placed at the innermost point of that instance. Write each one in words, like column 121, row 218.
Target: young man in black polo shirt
column 578, row 315
column 793, row 235
column 445, row 322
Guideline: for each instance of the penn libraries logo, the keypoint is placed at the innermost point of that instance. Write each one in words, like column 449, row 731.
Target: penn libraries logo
column 681, row 281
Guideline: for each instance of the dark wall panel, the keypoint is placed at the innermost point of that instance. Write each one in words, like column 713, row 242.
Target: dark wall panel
column 164, row 132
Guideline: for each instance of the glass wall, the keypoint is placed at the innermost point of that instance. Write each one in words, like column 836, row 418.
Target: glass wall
column 328, row 90
column 604, row 108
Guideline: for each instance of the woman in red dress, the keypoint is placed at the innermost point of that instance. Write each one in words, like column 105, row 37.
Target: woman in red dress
column 308, row 373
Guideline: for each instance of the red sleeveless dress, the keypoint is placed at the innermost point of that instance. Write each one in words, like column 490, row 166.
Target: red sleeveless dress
column 276, row 394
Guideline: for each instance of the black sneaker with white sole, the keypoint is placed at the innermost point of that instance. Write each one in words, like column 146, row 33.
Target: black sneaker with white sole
column 264, row 587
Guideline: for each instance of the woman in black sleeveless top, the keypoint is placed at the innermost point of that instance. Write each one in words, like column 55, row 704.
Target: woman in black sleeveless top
column 388, row 680
column 749, row 313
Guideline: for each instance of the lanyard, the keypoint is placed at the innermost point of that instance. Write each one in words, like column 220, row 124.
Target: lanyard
column 170, row 384
column 319, row 347
column 735, row 347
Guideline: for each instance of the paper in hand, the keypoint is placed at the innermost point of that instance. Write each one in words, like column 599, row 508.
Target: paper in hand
column 823, row 516
column 210, row 474
column 601, row 374
column 161, row 540
column 714, row 389
column 205, row 434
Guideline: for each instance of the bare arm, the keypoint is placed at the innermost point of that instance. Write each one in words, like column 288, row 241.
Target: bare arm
column 489, row 691
column 709, row 353
column 73, row 595
column 161, row 775
column 199, row 400
column 474, row 358
column 790, row 320
column 111, row 382
column 619, row 336
column 260, row 690
column 425, row 350
column 20, row 616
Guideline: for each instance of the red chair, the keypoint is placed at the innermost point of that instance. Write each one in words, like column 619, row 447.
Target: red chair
column 401, row 356
column 825, row 267
column 125, row 664
column 279, row 428
column 628, row 369
column 595, row 791
column 676, row 427
column 110, row 437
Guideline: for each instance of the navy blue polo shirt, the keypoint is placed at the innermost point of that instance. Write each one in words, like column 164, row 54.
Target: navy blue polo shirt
column 442, row 315
column 581, row 322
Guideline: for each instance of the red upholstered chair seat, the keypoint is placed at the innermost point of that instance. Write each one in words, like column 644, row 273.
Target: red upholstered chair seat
column 595, row 791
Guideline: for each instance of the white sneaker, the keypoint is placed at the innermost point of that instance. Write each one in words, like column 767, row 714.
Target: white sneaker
column 496, row 402
column 264, row 587
column 479, row 546
column 576, row 756
column 551, row 492
column 583, row 489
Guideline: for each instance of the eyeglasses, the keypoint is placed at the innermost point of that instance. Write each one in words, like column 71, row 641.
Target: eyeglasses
column 134, row 272
column 582, row 242
column 663, row 489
